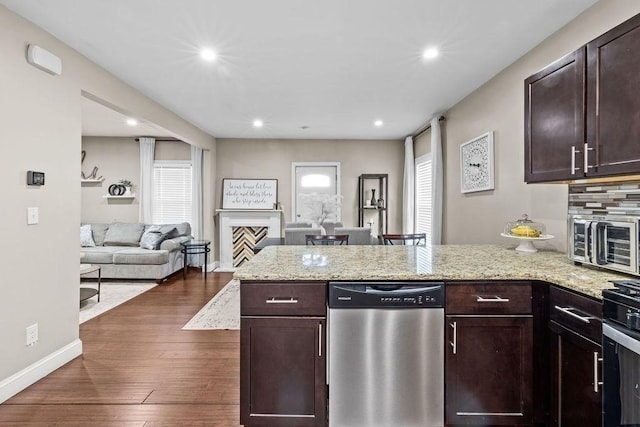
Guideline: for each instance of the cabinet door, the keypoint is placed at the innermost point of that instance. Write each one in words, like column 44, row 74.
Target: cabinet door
column 576, row 397
column 282, row 377
column 554, row 120
column 489, row 370
column 613, row 100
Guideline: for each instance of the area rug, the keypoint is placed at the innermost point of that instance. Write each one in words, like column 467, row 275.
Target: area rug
column 111, row 295
column 222, row 312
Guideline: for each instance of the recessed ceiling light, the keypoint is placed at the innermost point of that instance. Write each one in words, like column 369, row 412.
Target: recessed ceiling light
column 257, row 123
column 208, row 54
column 430, row 53
column 378, row 123
column 132, row 122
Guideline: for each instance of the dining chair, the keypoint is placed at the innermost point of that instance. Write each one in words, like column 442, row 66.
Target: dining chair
column 405, row 239
column 327, row 239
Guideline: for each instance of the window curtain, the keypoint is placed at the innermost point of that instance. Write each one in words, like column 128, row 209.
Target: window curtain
column 437, row 181
column 145, row 192
column 197, row 217
column 408, row 188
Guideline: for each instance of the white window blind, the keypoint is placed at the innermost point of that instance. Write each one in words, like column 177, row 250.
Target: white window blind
column 171, row 191
column 423, row 195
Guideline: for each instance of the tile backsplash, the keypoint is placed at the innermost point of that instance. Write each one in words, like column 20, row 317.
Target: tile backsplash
column 612, row 198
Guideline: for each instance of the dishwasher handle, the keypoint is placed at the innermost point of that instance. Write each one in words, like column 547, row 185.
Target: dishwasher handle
column 368, row 289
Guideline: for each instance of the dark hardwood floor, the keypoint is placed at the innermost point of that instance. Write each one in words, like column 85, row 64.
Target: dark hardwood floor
column 139, row 368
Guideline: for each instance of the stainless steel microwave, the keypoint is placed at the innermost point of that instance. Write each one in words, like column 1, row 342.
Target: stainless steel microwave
column 605, row 241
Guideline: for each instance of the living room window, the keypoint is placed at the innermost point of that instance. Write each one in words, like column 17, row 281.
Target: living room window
column 172, row 191
column 423, row 195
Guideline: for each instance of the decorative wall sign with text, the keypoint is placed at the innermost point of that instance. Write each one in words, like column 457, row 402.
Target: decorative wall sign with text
column 260, row 194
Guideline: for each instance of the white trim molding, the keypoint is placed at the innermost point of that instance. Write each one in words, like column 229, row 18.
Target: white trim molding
column 14, row 384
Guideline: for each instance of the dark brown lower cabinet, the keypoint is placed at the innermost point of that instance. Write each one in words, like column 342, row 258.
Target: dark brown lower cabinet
column 282, row 379
column 489, row 373
column 576, row 397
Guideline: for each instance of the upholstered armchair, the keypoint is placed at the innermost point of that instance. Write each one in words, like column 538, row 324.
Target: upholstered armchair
column 357, row 235
column 296, row 236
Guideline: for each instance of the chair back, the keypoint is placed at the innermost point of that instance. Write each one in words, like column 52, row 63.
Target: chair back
column 327, row 239
column 405, row 239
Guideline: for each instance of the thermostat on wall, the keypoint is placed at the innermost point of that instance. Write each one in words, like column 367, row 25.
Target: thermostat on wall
column 35, row 178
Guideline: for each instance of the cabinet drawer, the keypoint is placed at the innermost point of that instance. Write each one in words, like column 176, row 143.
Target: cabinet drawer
column 283, row 299
column 488, row 298
column 578, row 313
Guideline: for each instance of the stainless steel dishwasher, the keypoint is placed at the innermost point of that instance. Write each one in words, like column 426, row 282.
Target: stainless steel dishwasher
column 386, row 354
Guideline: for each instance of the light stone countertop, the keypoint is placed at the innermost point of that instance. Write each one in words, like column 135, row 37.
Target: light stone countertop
column 446, row 262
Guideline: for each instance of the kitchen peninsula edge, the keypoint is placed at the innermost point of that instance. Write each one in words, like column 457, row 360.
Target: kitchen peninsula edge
column 284, row 326
column 444, row 262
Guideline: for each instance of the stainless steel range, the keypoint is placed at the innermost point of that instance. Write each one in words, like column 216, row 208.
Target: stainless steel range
column 621, row 354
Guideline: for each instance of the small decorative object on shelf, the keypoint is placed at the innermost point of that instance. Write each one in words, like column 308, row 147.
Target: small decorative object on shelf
column 127, row 185
column 373, row 197
column 93, row 176
column 380, row 203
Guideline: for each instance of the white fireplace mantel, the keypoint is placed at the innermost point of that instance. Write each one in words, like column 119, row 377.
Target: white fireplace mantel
column 230, row 218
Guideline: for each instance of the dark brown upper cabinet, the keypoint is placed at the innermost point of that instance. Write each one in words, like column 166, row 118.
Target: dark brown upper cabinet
column 554, row 120
column 613, row 106
column 582, row 113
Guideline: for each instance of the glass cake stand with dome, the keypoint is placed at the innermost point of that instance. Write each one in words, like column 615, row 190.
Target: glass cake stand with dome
column 526, row 232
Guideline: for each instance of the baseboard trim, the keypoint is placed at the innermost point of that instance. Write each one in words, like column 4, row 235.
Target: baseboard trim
column 11, row 386
column 212, row 266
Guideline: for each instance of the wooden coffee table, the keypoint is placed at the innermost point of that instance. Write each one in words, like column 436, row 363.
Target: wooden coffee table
column 86, row 293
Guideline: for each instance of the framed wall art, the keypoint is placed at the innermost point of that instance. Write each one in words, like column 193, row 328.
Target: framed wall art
column 476, row 164
column 256, row 194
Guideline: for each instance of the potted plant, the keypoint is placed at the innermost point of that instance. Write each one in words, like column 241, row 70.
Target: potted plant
column 127, row 184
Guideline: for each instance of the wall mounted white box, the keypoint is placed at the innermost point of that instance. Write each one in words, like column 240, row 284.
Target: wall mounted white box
column 32, row 216
column 44, row 60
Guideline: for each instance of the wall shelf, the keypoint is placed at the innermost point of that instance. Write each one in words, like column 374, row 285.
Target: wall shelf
column 379, row 183
column 92, row 181
column 132, row 196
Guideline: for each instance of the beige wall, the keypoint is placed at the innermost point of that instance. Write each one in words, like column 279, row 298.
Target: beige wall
column 251, row 158
column 499, row 106
column 41, row 130
column 116, row 159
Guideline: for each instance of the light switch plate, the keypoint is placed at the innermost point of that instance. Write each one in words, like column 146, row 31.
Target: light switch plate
column 32, row 216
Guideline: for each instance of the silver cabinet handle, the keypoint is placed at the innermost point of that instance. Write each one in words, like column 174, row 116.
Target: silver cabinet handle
column 454, row 343
column 494, row 299
column 567, row 310
column 573, row 160
column 596, row 360
column 319, row 339
column 274, row 300
column 586, row 157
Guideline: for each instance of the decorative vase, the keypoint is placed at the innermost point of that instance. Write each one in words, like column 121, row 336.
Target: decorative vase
column 127, row 191
column 380, row 203
column 373, row 197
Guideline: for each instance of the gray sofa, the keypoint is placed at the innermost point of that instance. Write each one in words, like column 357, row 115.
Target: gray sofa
column 135, row 250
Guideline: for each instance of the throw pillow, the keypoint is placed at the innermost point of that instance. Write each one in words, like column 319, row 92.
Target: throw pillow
column 154, row 236
column 123, row 234
column 86, row 238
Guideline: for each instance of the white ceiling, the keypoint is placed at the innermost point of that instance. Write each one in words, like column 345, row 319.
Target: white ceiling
column 334, row 66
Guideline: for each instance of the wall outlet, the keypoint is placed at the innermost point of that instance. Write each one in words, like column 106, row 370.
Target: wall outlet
column 32, row 334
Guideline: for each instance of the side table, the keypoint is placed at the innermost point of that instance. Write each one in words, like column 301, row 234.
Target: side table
column 195, row 247
column 86, row 293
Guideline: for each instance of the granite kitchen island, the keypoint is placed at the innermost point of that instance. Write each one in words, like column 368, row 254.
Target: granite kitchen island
column 499, row 304
column 446, row 262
